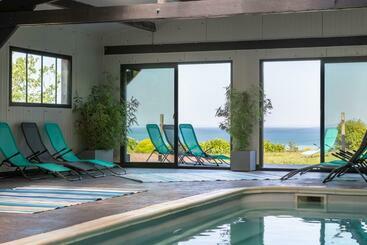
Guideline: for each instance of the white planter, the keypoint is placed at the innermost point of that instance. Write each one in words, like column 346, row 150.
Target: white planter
column 104, row 155
column 243, row 161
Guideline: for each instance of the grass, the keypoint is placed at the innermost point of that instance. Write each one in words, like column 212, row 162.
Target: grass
column 293, row 158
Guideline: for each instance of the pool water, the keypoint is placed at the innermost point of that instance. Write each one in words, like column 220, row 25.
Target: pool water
column 264, row 219
column 281, row 229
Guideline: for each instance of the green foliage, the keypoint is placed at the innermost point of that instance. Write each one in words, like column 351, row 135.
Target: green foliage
column 273, row 147
column 131, row 144
column 354, row 132
column 104, row 119
column 144, row 146
column 240, row 114
column 216, row 146
column 19, row 74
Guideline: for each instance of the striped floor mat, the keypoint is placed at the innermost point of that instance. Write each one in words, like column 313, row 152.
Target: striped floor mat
column 39, row 199
column 209, row 175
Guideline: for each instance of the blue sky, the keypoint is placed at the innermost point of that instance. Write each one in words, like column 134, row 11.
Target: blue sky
column 201, row 89
column 294, row 89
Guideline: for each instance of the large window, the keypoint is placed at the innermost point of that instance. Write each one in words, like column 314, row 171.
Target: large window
column 39, row 78
column 292, row 129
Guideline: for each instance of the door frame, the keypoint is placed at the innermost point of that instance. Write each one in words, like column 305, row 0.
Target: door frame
column 174, row 65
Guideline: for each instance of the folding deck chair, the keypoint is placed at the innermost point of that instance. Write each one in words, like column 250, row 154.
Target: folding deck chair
column 330, row 139
column 169, row 133
column 194, row 148
column 160, row 147
column 347, row 161
column 16, row 159
column 41, row 154
column 63, row 152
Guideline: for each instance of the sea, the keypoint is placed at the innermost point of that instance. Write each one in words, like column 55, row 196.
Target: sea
column 302, row 137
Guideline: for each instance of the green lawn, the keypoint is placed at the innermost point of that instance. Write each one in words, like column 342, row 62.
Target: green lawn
column 293, row 158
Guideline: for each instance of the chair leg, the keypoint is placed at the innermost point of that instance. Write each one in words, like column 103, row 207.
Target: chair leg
column 360, row 173
column 78, row 178
column 151, row 154
column 116, row 174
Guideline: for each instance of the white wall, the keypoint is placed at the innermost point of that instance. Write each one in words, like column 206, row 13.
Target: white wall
column 252, row 27
column 86, row 52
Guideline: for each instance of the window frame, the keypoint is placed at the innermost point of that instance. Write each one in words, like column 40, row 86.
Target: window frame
column 40, row 53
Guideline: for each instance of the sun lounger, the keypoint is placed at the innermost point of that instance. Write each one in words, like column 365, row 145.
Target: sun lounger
column 16, row 159
column 63, row 152
column 160, row 146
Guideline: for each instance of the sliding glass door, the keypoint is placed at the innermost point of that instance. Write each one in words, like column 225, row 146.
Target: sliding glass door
column 160, row 98
column 291, row 131
column 149, row 92
column 345, row 86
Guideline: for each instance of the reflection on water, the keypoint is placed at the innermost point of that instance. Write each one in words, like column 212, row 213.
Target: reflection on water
column 281, row 229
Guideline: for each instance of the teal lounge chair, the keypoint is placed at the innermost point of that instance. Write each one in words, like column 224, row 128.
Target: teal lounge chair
column 352, row 161
column 329, row 142
column 16, row 159
column 169, row 133
column 193, row 146
column 63, row 152
column 160, row 146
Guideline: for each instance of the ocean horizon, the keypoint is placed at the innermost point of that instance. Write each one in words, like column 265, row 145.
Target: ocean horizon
column 302, row 137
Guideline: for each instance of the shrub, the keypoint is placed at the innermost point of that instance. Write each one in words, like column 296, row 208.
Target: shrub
column 216, row 146
column 354, row 132
column 144, row 146
column 131, row 144
column 273, row 147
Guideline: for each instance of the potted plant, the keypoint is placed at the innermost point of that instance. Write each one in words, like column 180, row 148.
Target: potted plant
column 241, row 112
column 103, row 121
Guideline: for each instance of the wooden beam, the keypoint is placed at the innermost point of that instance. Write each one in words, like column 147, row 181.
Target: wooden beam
column 15, row 5
column 238, row 45
column 71, row 4
column 172, row 10
column 5, row 34
column 20, row 5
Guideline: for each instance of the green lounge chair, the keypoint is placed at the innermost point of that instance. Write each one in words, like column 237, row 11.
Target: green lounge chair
column 63, row 152
column 169, row 133
column 351, row 161
column 330, row 139
column 160, row 146
column 16, row 159
column 34, row 141
column 193, row 146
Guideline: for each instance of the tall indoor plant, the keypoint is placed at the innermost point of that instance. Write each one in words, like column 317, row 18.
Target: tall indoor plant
column 103, row 121
column 241, row 112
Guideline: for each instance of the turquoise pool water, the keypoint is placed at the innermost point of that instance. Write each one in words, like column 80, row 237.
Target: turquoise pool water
column 251, row 221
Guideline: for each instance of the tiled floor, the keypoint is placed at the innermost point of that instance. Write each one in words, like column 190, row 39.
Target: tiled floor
column 14, row 226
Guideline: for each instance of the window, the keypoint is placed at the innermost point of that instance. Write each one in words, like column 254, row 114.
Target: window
column 39, row 78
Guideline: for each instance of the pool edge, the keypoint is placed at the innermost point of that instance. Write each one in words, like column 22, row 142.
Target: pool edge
column 108, row 223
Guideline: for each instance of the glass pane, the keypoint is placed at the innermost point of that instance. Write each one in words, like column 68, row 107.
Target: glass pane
column 62, row 81
column 345, row 110
column 153, row 91
column 19, row 74
column 202, row 90
column 34, row 78
column 292, row 128
column 49, row 80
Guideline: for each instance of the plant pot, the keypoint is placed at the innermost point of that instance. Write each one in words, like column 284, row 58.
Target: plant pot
column 104, row 155
column 243, row 161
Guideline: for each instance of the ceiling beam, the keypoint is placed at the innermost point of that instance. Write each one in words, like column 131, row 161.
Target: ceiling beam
column 71, row 4
column 237, row 45
column 172, row 10
column 15, row 5
column 20, row 5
